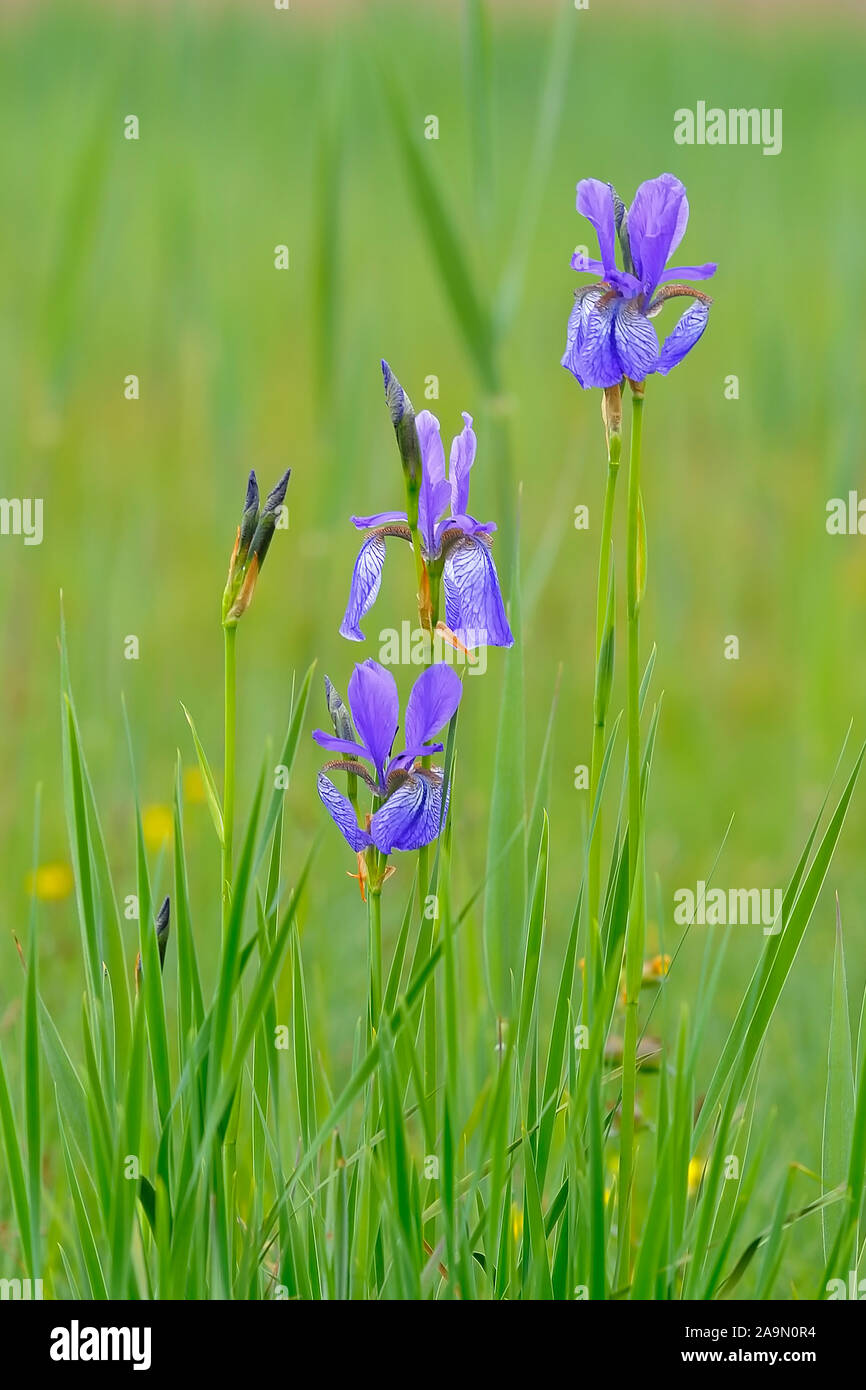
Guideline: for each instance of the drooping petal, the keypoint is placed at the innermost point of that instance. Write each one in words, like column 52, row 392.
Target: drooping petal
column 366, row 582
column 597, row 361
column 474, row 610
column 364, row 523
column 435, row 493
column 411, row 816
column 657, row 220
column 584, row 303
column 636, row 342
column 433, row 699
column 375, row 709
column 460, row 464
column 342, row 813
column 683, row 338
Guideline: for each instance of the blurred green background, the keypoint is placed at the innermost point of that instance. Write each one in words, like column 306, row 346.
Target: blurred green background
column 156, row 257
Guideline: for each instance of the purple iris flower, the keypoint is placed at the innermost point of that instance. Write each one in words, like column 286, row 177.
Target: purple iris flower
column 609, row 331
column 474, row 610
column 411, row 813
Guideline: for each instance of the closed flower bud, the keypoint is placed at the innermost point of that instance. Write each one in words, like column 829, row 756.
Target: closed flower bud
column 163, row 925
column 249, row 519
column 340, row 716
column 255, row 534
column 403, row 419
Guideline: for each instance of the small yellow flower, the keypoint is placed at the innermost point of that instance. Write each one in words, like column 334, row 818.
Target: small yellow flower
column 516, row 1221
column 193, row 786
column 156, row 825
column 655, row 970
column 51, row 883
column 696, row 1172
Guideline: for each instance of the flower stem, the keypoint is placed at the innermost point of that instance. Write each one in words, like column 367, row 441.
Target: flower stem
column 374, row 951
column 230, row 634
column 599, row 714
column 636, row 926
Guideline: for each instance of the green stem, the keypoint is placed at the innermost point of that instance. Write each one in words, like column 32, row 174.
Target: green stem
column 636, row 927
column 230, row 634
column 374, row 951
column 599, row 715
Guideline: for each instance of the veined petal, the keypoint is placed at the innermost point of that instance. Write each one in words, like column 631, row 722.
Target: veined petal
column 460, row 463
column 366, row 582
column 411, row 816
column 584, row 300
column 375, row 709
column 363, row 523
column 683, row 338
column 657, row 220
column 636, row 342
column 433, row 699
column 342, row 813
column 474, row 610
column 435, row 493
column 598, row 362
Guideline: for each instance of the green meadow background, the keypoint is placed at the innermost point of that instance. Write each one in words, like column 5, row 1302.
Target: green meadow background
column 156, row 257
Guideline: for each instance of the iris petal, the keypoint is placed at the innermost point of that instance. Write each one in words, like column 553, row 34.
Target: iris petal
column 683, row 338
column 363, row 523
column 435, row 492
column 595, row 203
column 411, row 816
column 474, row 610
column 459, row 465
column 375, row 709
column 366, row 582
column 340, row 745
column 342, row 813
column 636, row 341
column 657, row 220
column 598, row 360
column 434, row 698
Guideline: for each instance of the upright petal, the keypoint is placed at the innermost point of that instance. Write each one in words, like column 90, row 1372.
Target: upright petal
column 342, row 813
column 459, row 465
column 683, row 338
column 474, row 610
column 375, row 709
column 636, row 342
column 366, row 582
column 657, row 220
column 412, row 814
column 435, row 493
column 434, row 698
column 595, row 202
